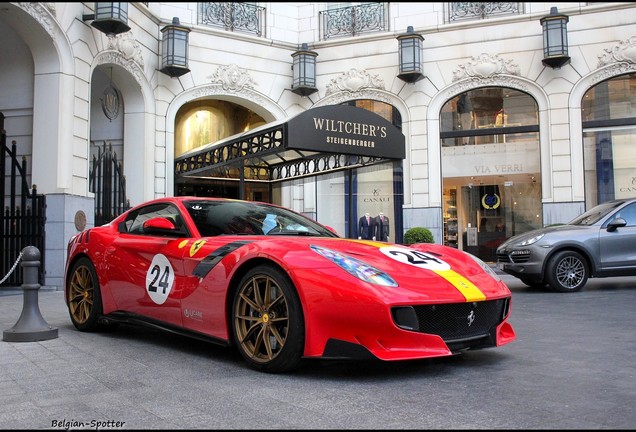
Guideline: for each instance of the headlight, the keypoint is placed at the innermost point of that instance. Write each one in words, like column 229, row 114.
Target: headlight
column 485, row 267
column 356, row 267
column 531, row 240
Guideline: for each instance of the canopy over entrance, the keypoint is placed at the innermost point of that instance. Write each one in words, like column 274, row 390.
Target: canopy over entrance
column 319, row 140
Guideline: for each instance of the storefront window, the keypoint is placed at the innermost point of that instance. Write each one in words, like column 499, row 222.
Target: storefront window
column 375, row 199
column 308, row 176
column 609, row 140
column 342, row 199
column 490, row 168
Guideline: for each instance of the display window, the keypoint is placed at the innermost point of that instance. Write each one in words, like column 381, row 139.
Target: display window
column 609, row 140
column 490, row 167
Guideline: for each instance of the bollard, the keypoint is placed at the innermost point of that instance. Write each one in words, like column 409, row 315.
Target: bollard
column 31, row 326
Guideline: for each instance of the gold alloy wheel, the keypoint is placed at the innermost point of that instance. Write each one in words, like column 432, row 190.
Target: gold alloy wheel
column 81, row 294
column 261, row 318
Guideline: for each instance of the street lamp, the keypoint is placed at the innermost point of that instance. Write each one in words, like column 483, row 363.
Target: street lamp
column 555, row 39
column 410, row 51
column 174, row 43
column 304, row 67
column 109, row 18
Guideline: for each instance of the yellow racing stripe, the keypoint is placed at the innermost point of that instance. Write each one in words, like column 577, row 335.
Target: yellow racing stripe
column 463, row 285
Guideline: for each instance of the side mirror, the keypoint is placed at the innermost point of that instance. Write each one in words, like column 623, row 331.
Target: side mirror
column 160, row 226
column 616, row 223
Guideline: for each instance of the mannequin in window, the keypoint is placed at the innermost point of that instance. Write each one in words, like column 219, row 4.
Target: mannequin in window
column 501, row 118
column 365, row 225
column 381, row 228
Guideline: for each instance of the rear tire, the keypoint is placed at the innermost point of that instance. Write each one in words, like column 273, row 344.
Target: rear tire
column 567, row 271
column 267, row 320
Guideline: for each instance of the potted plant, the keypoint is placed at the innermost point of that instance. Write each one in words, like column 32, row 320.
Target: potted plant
column 418, row 235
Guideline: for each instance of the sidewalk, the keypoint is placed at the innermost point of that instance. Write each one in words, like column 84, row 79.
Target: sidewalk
column 89, row 380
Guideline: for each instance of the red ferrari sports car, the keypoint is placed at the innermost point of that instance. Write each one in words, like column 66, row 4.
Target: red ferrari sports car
column 279, row 286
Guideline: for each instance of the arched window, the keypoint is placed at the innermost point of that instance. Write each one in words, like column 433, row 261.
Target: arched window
column 488, row 115
column 206, row 121
column 608, row 111
column 490, row 168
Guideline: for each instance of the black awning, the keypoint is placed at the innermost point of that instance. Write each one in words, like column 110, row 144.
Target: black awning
column 323, row 139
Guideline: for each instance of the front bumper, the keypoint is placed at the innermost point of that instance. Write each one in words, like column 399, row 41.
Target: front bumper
column 521, row 263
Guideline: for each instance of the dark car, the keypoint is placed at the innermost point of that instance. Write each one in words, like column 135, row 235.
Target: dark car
column 599, row 243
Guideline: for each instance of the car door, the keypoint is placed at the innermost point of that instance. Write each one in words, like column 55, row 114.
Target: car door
column 146, row 269
column 618, row 247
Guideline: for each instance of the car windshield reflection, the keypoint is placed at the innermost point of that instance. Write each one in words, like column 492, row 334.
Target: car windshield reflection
column 595, row 214
column 250, row 218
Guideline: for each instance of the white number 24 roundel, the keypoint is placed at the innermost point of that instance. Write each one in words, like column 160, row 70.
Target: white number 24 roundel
column 159, row 279
column 415, row 258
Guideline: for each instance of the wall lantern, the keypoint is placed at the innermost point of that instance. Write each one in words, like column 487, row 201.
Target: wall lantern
column 555, row 39
column 304, row 67
column 174, row 43
column 109, row 18
column 410, row 56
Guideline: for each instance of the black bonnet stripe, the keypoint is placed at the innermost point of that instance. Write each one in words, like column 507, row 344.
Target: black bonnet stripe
column 208, row 263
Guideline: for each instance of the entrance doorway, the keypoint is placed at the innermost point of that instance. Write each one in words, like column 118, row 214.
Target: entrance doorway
column 479, row 217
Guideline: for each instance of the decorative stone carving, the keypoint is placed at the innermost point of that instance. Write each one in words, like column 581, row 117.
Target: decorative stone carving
column 345, row 96
column 115, row 57
column 128, row 46
column 354, row 81
column 80, row 220
column 43, row 13
column 110, row 102
column 496, row 81
column 613, row 70
column 232, row 78
column 625, row 51
column 493, row 81
column 485, row 66
column 218, row 90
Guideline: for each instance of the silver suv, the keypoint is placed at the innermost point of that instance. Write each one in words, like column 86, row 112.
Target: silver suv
column 599, row 243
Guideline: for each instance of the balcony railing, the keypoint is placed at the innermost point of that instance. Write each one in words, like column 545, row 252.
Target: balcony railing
column 354, row 20
column 231, row 16
column 467, row 11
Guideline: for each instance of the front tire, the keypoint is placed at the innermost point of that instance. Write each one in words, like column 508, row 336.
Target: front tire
column 84, row 298
column 267, row 320
column 567, row 271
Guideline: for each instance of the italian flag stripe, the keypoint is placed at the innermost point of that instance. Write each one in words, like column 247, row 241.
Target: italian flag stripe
column 463, row 285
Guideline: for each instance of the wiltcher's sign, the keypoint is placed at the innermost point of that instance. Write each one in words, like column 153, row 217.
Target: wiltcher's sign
column 345, row 129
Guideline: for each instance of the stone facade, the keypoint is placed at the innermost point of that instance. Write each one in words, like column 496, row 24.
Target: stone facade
column 51, row 98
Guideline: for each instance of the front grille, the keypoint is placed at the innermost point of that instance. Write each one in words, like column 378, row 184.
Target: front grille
column 503, row 258
column 515, row 257
column 461, row 320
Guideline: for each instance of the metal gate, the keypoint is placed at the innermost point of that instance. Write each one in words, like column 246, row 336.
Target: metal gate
column 23, row 216
column 108, row 184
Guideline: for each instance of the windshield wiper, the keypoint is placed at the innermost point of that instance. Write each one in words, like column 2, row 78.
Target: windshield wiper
column 294, row 232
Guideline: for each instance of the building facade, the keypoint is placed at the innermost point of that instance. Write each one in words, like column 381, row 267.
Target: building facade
column 492, row 138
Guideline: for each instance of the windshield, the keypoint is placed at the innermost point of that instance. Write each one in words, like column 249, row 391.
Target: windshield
column 595, row 214
column 214, row 218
